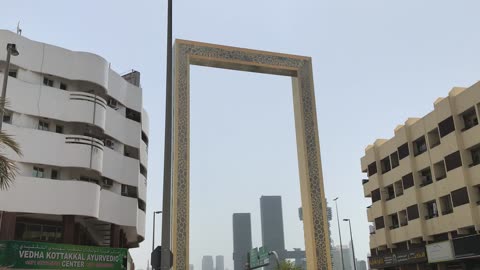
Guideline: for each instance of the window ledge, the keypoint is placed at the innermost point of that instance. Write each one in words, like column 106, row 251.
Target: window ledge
column 441, row 177
column 473, row 164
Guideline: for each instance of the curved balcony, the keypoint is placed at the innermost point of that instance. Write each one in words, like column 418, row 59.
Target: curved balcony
column 62, row 150
column 87, row 108
column 118, row 209
column 49, row 102
column 44, row 58
column 120, row 168
column 75, row 197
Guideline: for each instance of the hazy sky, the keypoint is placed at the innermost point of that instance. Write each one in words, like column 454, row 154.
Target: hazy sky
column 375, row 62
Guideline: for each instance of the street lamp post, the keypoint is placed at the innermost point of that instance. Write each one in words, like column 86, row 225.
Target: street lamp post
column 339, row 232
column 351, row 240
column 153, row 230
column 11, row 50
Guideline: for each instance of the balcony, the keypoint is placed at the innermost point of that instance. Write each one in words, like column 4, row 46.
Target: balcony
column 53, row 103
column 62, row 150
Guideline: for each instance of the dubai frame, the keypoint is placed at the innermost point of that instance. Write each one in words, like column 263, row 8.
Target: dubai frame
column 186, row 53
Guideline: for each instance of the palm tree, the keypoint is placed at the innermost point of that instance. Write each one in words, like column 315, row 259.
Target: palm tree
column 8, row 167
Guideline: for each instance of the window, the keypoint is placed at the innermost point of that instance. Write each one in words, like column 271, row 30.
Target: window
column 425, row 176
column 145, row 138
column 379, row 223
column 12, row 73
column 143, row 170
column 453, row 161
column 42, row 125
column 129, row 191
column 433, row 138
column 469, row 118
column 431, row 209
column 376, row 195
column 385, row 163
column 403, row 151
column 402, row 218
column 412, row 212
column 58, row 129
column 38, row 172
column 408, row 181
column 54, row 174
column 475, row 153
column 446, row 126
column 398, row 188
column 395, row 160
column 372, row 168
column 47, row 82
column 63, row 86
column 390, row 193
column 7, row 117
column 38, row 232
column 446, row 204
column 142, row 205
column 419, row 146
column 439, row 170
column 460, row 197
column 393, row 221
column 133, row 115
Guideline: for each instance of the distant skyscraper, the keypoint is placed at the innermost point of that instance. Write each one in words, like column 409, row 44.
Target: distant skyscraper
column 191, row 267
column 207, row 263
column 272, row 225
column 242, row 239
column 219, row 263
column 361, row 265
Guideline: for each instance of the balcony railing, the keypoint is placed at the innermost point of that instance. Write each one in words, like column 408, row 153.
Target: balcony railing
column 78, row 139
column 88, row 97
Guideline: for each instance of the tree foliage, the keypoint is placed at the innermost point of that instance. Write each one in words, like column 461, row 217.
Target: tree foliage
column 288, row 265
column 8, row 167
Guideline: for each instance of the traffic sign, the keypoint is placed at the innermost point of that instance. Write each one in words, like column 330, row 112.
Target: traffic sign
column 258, row 257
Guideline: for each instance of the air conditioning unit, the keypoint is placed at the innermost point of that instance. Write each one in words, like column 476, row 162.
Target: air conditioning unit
column 107, row 182
column 112, row 103
column 109, row 143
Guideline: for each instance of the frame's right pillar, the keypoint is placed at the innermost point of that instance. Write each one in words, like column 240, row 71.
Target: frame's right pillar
column 317, row 240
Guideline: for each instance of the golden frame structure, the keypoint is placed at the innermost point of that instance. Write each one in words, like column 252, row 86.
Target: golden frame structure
column 186, row 53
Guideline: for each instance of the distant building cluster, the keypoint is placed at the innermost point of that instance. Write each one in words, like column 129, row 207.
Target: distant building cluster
column 207, row 263
column 273, row 236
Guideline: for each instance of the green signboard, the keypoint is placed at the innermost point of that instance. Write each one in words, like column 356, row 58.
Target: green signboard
column 258, row 257
column 33, row 255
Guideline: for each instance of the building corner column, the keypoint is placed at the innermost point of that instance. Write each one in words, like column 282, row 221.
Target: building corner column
column 68, row 229
column 8, row 223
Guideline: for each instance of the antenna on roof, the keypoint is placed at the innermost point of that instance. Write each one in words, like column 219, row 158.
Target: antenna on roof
column 19, row 31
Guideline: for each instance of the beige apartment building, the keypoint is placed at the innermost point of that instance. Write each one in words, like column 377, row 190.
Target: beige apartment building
column 424, row 184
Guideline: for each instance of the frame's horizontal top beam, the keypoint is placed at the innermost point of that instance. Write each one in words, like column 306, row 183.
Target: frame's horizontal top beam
column 236, row 49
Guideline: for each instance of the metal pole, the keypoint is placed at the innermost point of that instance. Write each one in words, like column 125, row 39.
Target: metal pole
column 153, row 232
column 353, row 249
column 4, row 88
column 339, row 233
column 275, row 254
column 167, row 159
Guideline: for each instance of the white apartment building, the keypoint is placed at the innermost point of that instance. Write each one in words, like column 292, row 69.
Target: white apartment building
column 84, row 136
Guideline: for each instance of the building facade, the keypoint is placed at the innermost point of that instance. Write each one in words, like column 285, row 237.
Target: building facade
column 219, row 262
column 207, row 263
column 84, row 135
column 242, row 239
column 424, row 184
column 273, row 237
